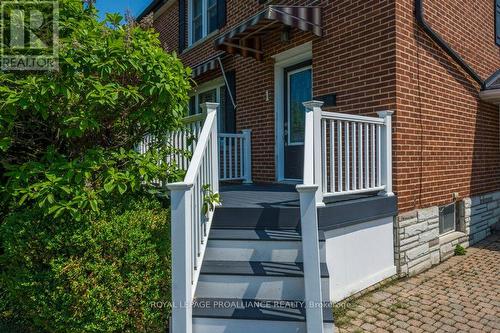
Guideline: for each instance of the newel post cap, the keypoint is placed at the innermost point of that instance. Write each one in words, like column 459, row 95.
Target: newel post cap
column 310, row 105
column 179, row 186
column 209, row 106
column 383, row 114
column 306, row 188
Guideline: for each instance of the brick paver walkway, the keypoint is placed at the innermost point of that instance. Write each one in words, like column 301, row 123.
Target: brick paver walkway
column 460, row 295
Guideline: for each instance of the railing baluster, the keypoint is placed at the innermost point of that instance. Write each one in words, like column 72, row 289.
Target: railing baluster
column 332, row 157
column 367, row 156
column 379, row 156
column 373, row 166
column 339, row 154
column 225, row 157
column 360, row 154
column 324, row 156
column 354, row 159
column 236, row 157
column 230, row 158
column 242, row 173
column 347, row 159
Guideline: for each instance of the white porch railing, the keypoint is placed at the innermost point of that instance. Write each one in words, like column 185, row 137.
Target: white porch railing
column 190, row 223
column 343, row 154
column 236, row 156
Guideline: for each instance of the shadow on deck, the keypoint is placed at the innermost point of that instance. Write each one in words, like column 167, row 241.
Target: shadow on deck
column 277, row 205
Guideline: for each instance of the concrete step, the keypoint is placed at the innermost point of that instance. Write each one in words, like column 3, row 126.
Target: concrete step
column 251, row 316
column 257, row 245
column 255, row 280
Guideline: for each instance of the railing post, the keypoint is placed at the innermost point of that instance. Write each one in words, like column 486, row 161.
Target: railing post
column 182, row 320
column 310, row 250
column 208, row 108
column 247, row 146
column 386, row 153
column 313, row 173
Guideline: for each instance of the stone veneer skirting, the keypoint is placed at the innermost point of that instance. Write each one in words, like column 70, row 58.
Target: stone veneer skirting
column 418, row 245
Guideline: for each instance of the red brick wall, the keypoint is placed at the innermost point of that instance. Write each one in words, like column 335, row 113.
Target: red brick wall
column 167, row 26
column 374, row 57
column 446, row 139
column 354, row 59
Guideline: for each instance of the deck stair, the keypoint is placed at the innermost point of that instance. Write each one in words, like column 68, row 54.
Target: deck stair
column 252, row 273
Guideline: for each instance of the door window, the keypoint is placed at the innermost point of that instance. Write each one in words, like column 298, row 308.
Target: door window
column 299, row 91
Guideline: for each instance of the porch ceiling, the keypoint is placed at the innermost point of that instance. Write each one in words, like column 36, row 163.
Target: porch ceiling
column 246, row 39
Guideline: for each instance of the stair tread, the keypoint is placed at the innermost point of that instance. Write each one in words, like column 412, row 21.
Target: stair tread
column 284, row 235
column 273, row 310
column 257, row 268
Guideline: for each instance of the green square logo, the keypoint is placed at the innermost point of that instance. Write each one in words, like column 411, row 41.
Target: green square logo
column 29, row 35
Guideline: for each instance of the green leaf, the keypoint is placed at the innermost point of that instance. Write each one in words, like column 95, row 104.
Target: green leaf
column 109, row 187
column 122, row 188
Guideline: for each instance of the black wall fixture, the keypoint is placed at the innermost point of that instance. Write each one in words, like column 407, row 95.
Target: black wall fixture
column 328, row 100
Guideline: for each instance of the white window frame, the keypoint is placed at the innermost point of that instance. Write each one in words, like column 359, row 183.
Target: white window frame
column 216, row 85
column 204, row 22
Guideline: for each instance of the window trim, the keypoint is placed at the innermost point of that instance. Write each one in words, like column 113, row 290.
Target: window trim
column 204, row 22
column 216, row 84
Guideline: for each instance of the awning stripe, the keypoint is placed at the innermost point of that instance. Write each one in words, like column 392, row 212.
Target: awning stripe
column 205, row 67
column 245, row 38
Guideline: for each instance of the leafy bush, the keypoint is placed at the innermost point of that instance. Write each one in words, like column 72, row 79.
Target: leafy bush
column 83, row 242
column 67, row 138
column 93, row 276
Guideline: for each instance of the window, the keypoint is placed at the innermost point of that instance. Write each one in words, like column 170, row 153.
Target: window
column 215, row 93
column 447, row 219
column 203, row 18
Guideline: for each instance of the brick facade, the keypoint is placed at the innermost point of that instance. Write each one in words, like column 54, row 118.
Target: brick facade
column 374, row 57
column 446, row 139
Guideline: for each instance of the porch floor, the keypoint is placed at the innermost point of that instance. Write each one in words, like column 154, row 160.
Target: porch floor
column 269, row 195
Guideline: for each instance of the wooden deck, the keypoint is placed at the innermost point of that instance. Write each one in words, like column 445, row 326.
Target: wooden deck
column 269, row 196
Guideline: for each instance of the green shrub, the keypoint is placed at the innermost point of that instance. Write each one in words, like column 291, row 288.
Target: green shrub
column 92, row 276
column 459, row 250
column 68, row 137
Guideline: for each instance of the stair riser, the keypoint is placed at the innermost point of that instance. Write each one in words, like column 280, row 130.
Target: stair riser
column 254, row 287
column 209, row 325
column 276, row 251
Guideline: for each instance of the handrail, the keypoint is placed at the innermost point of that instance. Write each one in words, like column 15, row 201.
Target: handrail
column 351, row 117
column 194, row 117
column 191, row 224
column 195, row 163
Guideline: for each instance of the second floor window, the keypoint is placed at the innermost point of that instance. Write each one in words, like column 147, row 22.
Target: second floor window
column 203, row 19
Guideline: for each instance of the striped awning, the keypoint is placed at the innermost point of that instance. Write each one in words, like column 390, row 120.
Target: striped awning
column 206, row 66
column 245, row 39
